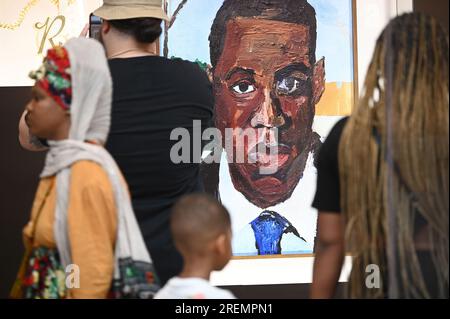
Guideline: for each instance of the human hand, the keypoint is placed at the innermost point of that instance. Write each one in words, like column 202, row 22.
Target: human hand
column 84, row 33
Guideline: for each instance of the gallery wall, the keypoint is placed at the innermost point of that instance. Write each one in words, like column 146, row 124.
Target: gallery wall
column 19, row 173
column 437, row 8
column 19, row 170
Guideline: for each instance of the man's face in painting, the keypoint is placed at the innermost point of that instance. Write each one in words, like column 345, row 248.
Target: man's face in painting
column 264, row 80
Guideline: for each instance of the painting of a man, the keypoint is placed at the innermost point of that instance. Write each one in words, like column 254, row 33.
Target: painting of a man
column 266, row 76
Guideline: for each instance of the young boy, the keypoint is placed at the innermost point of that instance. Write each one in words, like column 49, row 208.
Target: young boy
column 202, row 232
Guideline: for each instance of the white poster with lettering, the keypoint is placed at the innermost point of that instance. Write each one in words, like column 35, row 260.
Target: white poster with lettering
column 28, row 28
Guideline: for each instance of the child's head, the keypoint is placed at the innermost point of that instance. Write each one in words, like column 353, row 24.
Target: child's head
column 201, row 227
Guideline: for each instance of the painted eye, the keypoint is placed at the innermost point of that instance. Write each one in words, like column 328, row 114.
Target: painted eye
column 288, row 85
column 244, row 88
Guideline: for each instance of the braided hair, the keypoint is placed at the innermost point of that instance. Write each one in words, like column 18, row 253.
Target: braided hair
column 393, row 160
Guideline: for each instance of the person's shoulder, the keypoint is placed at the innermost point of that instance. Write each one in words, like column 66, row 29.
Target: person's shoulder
column 183, row 63
column 188, row 67
column 163, row 293
column 205, row 290
column 335, row 134
column 339, row 126
column 329, row 149
column 89, row 174
column 219, row 293
column 86, row 167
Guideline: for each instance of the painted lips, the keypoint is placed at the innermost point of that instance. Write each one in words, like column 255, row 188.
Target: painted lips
column 272, row 157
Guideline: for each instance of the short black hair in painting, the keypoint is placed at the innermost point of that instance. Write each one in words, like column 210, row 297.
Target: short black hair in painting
column 290, row 11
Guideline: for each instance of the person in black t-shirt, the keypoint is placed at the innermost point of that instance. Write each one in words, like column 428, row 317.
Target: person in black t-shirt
column 330, row 240
column 153, row 96
column 382, row 185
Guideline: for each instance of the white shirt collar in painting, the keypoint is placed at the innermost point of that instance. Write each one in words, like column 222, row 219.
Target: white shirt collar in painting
column 297, row 210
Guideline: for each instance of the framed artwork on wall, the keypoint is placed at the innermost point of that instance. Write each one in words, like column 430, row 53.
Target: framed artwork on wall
column 289, row 65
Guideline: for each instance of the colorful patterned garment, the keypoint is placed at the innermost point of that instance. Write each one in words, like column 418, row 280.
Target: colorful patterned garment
column 44, row 275
column 55, row 78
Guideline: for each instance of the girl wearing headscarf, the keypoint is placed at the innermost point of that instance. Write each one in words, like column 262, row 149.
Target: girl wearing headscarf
column 82, row 236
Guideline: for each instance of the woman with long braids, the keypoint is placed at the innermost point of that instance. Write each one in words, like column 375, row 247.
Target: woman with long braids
column 385, row 169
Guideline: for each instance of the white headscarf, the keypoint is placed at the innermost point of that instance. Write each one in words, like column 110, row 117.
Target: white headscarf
column 90, row 113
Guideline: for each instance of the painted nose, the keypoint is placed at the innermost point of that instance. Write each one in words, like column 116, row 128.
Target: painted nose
column 267, row 116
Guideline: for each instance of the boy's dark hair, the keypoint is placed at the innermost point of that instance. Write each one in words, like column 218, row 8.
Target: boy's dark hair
column 196, row 220
column 290, row 11
column 144, row 30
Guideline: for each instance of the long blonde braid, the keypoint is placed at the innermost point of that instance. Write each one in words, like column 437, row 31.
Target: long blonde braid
column 393, row 160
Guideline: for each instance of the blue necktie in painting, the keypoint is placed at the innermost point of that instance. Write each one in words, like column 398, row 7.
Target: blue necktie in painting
column 269, row 229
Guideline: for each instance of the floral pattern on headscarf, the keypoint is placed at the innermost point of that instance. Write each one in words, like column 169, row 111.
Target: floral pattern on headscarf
column 55, row 78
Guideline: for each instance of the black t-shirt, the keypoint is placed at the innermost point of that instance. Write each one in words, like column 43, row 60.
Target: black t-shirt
column 152, row 97
column 328, row 193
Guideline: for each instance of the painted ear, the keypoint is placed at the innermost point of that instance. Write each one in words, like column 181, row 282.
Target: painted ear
column 319, row 80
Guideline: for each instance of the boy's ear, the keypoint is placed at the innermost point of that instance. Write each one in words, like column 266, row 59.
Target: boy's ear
column 221, row 244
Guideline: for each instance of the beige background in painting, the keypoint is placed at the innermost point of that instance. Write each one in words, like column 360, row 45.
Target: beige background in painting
column 337, row 99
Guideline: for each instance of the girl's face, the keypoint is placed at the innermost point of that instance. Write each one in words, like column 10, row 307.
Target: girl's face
column 45, row 118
